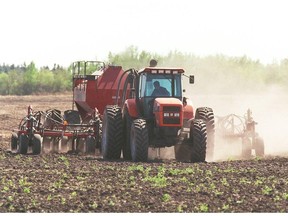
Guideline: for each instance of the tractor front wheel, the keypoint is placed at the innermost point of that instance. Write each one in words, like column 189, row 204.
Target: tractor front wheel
column 112, row 133
column 139, row 140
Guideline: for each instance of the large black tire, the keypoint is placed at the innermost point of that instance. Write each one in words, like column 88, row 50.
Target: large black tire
column 36, row 144
column 112, row 133
column 246, row 148
column 90, row 145
column 23, row 144
column 198, row 139
column 139, row 140
column 14, row 141
column 127, row 129
column 207, row 114
column 259, row 147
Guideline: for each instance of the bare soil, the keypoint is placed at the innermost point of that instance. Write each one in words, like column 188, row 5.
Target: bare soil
column 86, row 183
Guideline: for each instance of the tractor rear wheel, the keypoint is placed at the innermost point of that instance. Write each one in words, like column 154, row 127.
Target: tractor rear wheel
column 14, row 141
column 127, row 129
column 259, row 147
column 246, row 148
column 23, row 144
column 207, row 114
column 90, row 145
column 139, row 140
column 112, row 133
column 198, row 139
column 36, row 144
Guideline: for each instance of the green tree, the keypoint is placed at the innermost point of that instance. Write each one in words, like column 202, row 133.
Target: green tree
column 4, row 88
column 44, row 81
column 62, row 80
column 29, row 79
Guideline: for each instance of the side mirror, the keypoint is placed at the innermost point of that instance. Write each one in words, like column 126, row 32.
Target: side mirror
column 191, row 79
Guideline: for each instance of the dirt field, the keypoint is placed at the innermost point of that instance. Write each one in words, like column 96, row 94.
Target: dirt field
column 82, row 183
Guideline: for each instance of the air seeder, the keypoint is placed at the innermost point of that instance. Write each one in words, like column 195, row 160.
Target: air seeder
column 74, row 128
column 117, row 115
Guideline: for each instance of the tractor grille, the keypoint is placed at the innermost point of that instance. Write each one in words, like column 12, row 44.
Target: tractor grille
column 171, row 111
column 169, row 120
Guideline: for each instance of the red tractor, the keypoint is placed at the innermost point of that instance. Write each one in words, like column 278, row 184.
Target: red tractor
column 152, row 112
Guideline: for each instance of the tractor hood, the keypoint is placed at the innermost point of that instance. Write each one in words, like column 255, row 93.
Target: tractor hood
column 168, row 112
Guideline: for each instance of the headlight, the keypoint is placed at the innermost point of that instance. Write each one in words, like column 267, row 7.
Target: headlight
column 176, row 114
column 166, row 114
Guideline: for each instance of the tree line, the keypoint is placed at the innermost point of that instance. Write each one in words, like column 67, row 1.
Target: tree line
column 27, row 79
column 214, row 73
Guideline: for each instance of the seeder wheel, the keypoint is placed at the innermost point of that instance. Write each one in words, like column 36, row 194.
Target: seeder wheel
column 14, row 141
column 23, row 144
column 36, row 144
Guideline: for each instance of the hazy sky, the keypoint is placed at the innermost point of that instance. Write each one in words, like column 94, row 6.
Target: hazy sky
column 63, row 31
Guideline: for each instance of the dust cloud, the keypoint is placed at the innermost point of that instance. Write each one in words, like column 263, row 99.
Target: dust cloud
column 269, row 110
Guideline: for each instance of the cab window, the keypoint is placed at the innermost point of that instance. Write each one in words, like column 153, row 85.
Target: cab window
column 171, row 82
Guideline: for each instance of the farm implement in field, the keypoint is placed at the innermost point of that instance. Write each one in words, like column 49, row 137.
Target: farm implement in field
column 50, row 131
column 234, row 128
column 122, row 114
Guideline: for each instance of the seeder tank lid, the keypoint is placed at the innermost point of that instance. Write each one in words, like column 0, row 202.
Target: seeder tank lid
column 164, row 70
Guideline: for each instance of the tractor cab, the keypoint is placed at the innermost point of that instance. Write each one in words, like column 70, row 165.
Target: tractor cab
column 153, row 116
column 157, row 83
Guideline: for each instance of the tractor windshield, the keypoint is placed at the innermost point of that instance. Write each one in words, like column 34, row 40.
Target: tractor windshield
column 160, row 85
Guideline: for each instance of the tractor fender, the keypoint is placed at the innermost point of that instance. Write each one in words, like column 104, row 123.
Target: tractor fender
column 130, row 105
column 188, row 112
